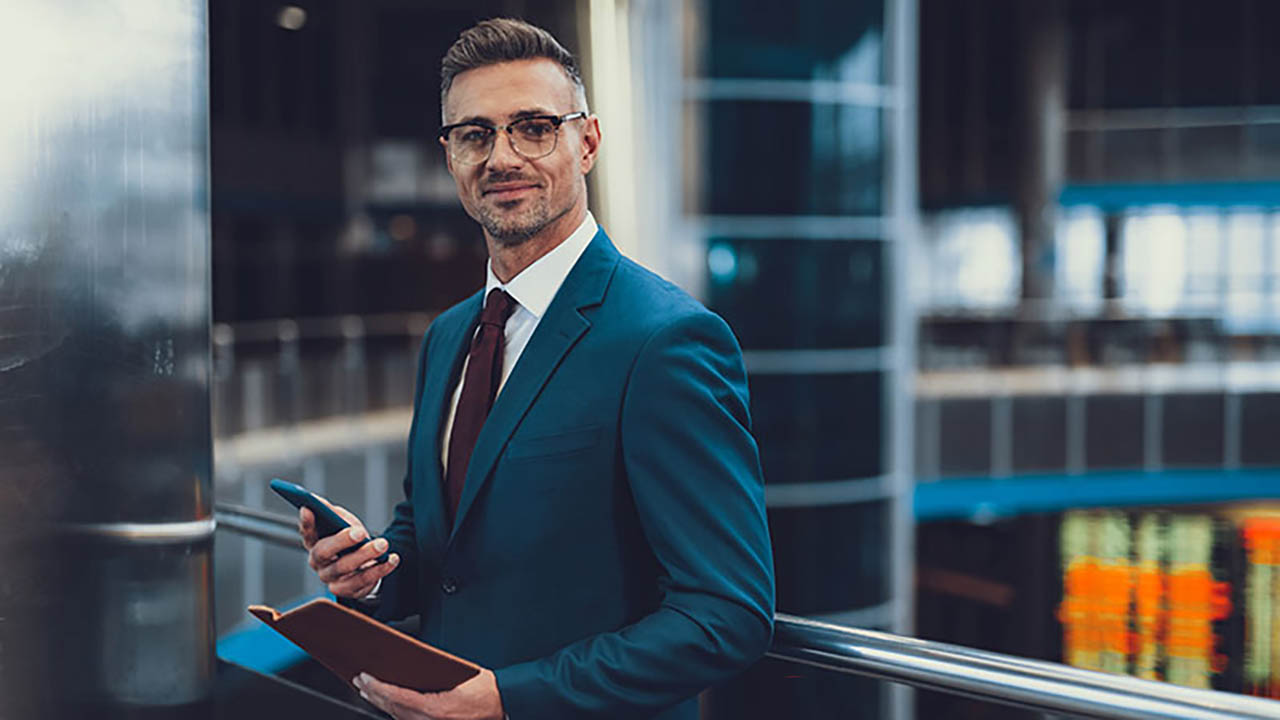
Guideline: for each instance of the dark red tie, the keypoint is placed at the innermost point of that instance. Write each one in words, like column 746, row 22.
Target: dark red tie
column 484, row 372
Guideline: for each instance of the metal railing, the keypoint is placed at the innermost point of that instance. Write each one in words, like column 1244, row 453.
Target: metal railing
column 953, row 669
column 1005, row 679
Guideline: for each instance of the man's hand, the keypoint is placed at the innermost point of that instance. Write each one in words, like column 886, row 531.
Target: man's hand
column 353, row 575
column 475, row 699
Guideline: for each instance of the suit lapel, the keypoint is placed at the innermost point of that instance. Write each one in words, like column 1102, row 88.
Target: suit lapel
column 557, row 332
column 438, row 385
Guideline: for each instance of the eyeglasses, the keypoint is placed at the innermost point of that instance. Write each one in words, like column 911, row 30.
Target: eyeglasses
column 533, row 137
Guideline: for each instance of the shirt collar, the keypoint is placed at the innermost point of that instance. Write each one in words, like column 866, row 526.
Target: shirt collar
column 537, row 284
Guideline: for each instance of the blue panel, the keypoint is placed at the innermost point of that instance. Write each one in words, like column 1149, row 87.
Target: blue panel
column 256, row 646
column 982, row 497
column 1217, row 193
column 260, row 648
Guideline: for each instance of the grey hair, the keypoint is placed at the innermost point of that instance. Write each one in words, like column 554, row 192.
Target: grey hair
column 499, row 40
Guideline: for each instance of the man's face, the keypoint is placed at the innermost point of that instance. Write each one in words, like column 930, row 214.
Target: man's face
column 514, row 198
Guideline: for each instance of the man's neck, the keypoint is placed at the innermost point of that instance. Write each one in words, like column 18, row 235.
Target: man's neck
column 509, row 261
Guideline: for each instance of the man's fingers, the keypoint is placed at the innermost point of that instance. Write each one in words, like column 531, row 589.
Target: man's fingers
column 392, row 699
column 351, row 562
column 324, row 551
column 373, row 696
column 329, row 547
column 345, row 514
column 359, row 584
column 307, row 527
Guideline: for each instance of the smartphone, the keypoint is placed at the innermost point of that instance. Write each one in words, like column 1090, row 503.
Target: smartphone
column 328, row 522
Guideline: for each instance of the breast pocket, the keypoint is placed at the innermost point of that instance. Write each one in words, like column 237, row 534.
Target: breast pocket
column 566, row 442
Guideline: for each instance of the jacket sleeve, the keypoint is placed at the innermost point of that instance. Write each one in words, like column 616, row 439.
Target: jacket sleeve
column 397, row 597
column 694, row 472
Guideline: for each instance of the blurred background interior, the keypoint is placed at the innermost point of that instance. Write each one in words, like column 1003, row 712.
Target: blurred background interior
column 1006, row 275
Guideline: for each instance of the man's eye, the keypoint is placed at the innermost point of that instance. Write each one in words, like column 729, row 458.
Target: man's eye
column 536, row 129
column 474, row 136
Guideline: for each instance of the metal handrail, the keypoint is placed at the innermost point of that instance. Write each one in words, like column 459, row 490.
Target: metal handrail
column 410, row 324
column 1004, row 679
column 272, row 527
column 953, row 669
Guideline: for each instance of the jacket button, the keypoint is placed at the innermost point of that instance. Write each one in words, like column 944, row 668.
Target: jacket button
column 449, row 586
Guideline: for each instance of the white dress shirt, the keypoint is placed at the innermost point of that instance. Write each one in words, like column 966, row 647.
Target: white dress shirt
column 533, row 290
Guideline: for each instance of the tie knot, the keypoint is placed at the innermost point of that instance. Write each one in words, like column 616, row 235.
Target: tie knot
column 497, row 308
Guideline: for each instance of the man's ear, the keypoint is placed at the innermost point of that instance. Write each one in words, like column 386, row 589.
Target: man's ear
column 590, row 143
column 448, row 157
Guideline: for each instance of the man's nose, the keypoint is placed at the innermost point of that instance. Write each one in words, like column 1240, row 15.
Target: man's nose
column 504, row 153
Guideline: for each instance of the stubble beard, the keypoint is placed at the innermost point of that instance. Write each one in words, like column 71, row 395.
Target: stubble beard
column 515, row 228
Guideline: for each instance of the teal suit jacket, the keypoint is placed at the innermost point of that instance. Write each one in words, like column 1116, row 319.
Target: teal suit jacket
column 610, row 556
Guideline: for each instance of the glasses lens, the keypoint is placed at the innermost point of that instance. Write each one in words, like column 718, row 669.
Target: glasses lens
column 470, row 144
column 534, row 137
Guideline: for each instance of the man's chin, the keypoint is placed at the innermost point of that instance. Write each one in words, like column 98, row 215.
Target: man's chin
column 511, row 231
column 512, row 234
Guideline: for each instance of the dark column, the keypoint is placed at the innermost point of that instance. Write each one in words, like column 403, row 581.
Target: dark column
column 1041, row 156
column 106, row 524
column 1113, row 269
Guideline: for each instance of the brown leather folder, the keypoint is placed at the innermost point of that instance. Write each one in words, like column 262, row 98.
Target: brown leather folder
column 349, row 643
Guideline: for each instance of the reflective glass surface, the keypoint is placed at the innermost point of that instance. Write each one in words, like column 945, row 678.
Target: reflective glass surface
column 1260, row 414
column 817, row 427
column 1189, row 439
column 964, row 446
column 784, row 294
column 830, row 558
column 103, row 269
column 827, row 40
column 1114, row 429
column 1039, row 433
column 104, row 359
column 788, row 158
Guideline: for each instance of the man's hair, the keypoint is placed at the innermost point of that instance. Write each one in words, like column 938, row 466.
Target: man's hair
column 499, row 40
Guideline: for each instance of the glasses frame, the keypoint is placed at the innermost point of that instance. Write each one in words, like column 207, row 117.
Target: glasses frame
column 509, row 129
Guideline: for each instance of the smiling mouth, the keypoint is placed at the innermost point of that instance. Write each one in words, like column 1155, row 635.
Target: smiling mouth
column 508, row 191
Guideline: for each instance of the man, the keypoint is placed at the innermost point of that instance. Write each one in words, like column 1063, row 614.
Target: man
column 584, row 511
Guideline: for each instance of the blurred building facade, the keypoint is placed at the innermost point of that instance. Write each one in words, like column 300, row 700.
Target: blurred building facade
column 1066, row 298
column 1110, row 348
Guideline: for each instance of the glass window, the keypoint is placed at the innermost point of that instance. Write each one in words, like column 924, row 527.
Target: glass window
column 1211, row 153
column 964, row 446
column 1186, row 443
column 1207, row 63
column 1154, row 260
column 1245, row 233
column 1081, row 256
column 789, row 158
column 1273, row 265
column 1133, row 53
column 785, row 294
column 1114, row 431
column 818, row 427
column 830, row 558
column 1204, row 260
column 1133, row 155
column 974, row 262
column 827, row 40
column 1264, row 150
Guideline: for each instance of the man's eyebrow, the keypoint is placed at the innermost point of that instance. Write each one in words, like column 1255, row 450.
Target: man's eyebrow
column 479, row 119
column 517, row 115
column 530, row 112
